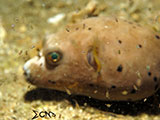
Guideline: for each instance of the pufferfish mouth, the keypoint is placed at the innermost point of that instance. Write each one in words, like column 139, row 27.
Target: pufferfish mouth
column 29, row 80
column 29, row 68
column 27, row 74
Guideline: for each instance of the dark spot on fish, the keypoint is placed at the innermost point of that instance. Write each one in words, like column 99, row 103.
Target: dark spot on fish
column 89, row 28
column 149, row 9
column 67, row 30
column 134, row 27
column 119, row 68
column 38, row 50
column 113, row 86
column 130, row 22
column 120, row 41
column 157, row 36
column 77, row 28
column 155, row 79
column 140, row 46
column 125, row 20
column 84, row 25
column 119, row 52
column 139, row 25
column 50, row 81
column 116, row 20
column 91, row 85
column 26, row 52
column 133, row 91
column 149, row 73
column 156, row 87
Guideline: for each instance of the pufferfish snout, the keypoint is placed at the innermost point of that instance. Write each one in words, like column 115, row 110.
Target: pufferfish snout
column 27, row 69
column 104, row 58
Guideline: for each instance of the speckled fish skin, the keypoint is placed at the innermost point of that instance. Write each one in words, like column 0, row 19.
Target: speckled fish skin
column 104, row 58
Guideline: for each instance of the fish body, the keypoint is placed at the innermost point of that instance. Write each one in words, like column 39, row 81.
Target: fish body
column 104, row 58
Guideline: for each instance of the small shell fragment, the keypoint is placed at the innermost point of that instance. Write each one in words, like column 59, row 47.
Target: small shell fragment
column 56, row 19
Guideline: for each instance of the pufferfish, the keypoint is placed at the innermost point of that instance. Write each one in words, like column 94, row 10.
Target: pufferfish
column 100, row 57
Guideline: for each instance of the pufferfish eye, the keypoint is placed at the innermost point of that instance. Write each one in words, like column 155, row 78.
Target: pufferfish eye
column 53, row 58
